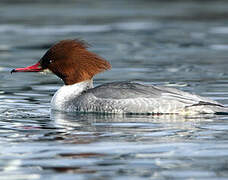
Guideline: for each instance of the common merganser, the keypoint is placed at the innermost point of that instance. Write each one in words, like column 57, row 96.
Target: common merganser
column 75, row 65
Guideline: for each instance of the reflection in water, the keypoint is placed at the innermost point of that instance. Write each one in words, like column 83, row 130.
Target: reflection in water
column 63, row 118
column 140, row 126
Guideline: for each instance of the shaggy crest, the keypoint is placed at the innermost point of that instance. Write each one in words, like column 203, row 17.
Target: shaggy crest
column 72, row 62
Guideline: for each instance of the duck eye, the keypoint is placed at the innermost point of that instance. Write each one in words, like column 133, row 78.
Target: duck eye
column 50, row 61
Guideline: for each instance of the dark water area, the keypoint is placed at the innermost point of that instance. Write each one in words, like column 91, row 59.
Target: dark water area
column 182, row 44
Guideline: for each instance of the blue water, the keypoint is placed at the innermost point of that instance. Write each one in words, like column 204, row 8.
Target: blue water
column 172, row 43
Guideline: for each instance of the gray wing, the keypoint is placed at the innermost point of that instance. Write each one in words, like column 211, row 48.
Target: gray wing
column 135, row 97
column 131, row 90
column 125, row 90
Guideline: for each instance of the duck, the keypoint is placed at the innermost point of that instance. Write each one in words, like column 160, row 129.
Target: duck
column 72, row 62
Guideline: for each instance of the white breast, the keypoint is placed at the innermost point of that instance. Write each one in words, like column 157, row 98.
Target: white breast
column 68, row 92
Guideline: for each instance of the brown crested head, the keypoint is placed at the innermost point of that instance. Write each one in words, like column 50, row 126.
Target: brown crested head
column 72, row 62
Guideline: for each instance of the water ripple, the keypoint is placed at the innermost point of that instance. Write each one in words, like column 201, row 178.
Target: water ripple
column 47, row 30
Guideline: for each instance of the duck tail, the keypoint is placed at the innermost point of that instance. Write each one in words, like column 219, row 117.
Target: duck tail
column 221, row 110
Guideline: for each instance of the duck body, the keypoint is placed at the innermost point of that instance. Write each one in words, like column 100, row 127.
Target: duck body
column 130, row 98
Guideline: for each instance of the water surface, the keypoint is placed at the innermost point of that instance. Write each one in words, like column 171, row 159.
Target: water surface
column 178, row 44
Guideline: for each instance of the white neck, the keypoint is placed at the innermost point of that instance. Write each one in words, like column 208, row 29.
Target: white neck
column 68, row 92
